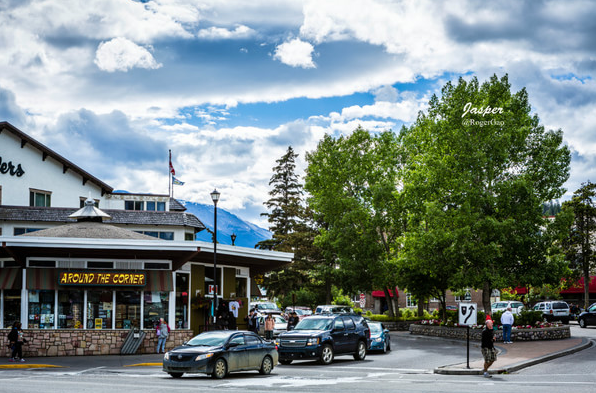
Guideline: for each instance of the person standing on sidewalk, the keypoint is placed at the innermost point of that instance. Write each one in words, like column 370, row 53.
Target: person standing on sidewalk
column 16, row 339
column 489, row 352
column 507, row 322
column 269, row 326
column 163, row 331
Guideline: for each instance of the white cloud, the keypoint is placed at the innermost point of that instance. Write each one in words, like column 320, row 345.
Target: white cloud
column 295, row 53
column 121, row 54
column 220, row 33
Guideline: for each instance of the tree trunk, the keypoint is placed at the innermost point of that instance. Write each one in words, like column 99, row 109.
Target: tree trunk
column 420, row 308
column 486, row 291
column 389, row 303
column 586, row 286
column 395, row 302
column 443, row 301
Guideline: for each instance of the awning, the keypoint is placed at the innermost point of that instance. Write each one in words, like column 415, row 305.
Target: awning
column 10, row 278
column 159, row 280
column 41, row 279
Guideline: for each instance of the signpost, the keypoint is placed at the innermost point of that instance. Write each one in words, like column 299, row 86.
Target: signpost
column 468, row 315
column 362, row 300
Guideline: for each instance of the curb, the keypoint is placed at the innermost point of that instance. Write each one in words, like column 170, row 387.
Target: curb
column 586, row 343
column 143, row 365
column 6, row 366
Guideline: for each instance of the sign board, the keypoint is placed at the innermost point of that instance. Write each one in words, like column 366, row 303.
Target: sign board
column 120, row 279
column 362, row 300
column 468, row 314
column 98, row 323
column 210, row 288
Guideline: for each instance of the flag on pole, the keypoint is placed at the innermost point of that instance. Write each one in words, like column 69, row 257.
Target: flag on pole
column 177, row 182
column 172, row 171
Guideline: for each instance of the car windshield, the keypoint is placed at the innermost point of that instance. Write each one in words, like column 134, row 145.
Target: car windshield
column 209, row 339
column 300, row 312
column 314, row 324
column 374, row 327
column 279, row 319
column 266, row 306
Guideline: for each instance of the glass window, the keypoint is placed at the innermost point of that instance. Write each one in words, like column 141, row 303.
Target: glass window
column 166, row 235
column 12, row 307
column 339, row 324
column 151, row 205
column 128, row 309
column 41, row 309
column 133, row 205
column 161, row 206
column 241, row 286
column 349, row 323
column 410, row 301
column 70, row 309
column 182, row 301
column 151, row 233
column 155, row 307
column 209, row 280
column 99, row 309
column 40, row 198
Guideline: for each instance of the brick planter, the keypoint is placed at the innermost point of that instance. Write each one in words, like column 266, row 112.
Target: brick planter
column 550, row 333
column 77, row 342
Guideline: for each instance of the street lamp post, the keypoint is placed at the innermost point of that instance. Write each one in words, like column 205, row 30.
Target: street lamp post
column 215, row 198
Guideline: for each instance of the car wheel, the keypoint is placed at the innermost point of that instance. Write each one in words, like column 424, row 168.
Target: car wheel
column 285, row 361
column 582, row 323
column 266, row 366
column 360, row 351
column 388, row 345
column 384, row 346
column 220, row 369
column 326, row 355
column 176, row 375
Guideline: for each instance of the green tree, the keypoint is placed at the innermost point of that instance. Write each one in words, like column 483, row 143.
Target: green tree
column 579, row 246
column 351, row 181
column 483, row 161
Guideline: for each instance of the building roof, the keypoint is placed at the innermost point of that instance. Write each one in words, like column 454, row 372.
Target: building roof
column 89, row 230
column 47, row 152
column 134, row 217
column 175, row 205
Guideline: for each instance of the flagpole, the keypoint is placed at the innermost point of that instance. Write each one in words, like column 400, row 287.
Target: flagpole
column 170, row 175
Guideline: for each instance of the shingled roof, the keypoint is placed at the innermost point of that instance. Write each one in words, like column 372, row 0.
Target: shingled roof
column 135, row 217
column 89, row 230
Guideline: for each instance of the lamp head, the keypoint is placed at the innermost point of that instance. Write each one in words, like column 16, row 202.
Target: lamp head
column 215, row 196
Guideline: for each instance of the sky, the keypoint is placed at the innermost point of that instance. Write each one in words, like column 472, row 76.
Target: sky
column 228, row 85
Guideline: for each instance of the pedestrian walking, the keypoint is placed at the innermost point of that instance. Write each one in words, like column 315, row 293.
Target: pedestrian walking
column 489, row 352
column 252, row 321
column 16, row 340
column 162, row 332
column 269, row 326
column 507, row 322
column 293, row 321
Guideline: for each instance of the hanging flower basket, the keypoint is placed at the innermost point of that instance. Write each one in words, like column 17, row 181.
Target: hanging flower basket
column 200, row 303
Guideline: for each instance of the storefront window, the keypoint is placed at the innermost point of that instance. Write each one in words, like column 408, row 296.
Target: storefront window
column 12, row 307
column 155, row 307
column 99, row 309
column 241, row 286
column 70, row 309
column 41, row 309
column 181, row 301
column 209, row 280
column 128, row 309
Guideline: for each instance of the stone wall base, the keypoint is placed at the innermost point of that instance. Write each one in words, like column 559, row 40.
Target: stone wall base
column 551, row 333
column 77, row 342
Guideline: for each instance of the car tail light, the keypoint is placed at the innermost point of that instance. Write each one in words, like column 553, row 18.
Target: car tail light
column 551, row 311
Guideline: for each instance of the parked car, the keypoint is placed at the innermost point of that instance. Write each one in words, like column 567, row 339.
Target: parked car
column 516, row 307
column 333, row 309
column 554, row 310
column 220, row 352
column 379, row 337
column 451, row 308
column 587, row 317
column 281, row 325
column 302, row 312
column 265, row 307
column 323, row 337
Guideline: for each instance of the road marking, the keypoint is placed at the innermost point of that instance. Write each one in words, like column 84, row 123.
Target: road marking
column 21, row 365
column 143, row 364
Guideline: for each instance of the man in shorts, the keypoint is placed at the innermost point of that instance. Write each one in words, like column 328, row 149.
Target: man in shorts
column 489, row 351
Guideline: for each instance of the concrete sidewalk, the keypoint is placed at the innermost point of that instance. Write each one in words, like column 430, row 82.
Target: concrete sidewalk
column 520, row 354
column 86, row 362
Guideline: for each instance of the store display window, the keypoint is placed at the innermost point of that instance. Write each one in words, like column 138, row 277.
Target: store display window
column 155, row 307
column 12, row 306
column 99, row 309
column 41, row 309
column 128, row 309
column 70, row 309
column 182, row 281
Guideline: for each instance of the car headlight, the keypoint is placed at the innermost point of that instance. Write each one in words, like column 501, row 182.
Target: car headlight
column 166, row 356
column 203, row 356
column 312, row 341
column 378, row 339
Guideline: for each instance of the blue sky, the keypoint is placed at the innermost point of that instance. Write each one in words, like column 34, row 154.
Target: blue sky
column 228, row 85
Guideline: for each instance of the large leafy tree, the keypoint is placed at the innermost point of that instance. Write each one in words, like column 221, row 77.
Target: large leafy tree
column 482, row 163
column 351, row 181
column 580, row 245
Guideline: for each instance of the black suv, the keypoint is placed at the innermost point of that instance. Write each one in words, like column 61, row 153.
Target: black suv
column 324, row 336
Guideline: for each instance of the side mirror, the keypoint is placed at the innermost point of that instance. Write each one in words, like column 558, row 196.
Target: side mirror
column 233, row 344
column 386, row 331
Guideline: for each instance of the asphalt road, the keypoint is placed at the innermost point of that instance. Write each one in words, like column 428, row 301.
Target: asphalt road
column 408, row 368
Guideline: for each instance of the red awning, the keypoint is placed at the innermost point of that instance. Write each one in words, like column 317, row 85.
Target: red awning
column 382, row 293
column 10, row 278
column 41, row 278
column 579, row 288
